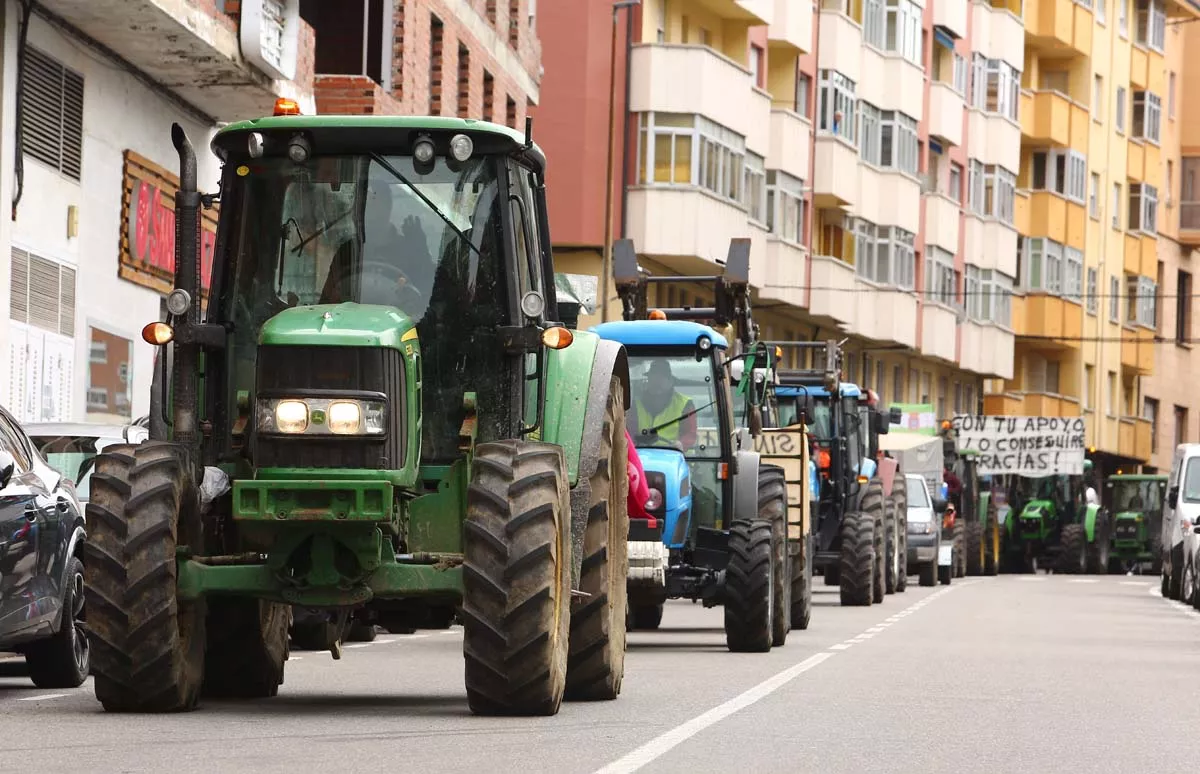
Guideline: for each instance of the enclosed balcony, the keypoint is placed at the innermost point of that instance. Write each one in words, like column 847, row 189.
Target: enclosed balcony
column 889, row 316
column 694, row 80
column 784, row 277
column 889, row 198
column 1143, row 162
column 1133, row 438
column 790, row 146
column 994, row 139
column 1053, row 118
column 835, row 174
column 946, row 113
column 1059, row 27
column 942, row 220
column 792, row 26
column 834, row 303
column 1141, row 254
column 1057, row 218
column 998, row 33
column 841, row 44
column 1031, row 404
column 939, row 332
column 990, row 244
column 687, row 221
column 987, row 349
column 951, row 15
column 1137, row 350
column 1052, row 322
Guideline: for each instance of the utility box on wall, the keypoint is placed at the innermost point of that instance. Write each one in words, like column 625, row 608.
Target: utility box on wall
column 269, row 33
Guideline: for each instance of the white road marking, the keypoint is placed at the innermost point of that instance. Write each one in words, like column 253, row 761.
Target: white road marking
column 360, row 645
column 875, row 629
column 842, row 646
column 1029, row 579
column 295, row 658
column 451, row 632
column 1083, row 580
column 664, row 743
column 44, row 696
column 385, row 641
column 1136, row 583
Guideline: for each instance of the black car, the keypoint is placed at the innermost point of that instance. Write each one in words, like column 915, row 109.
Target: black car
column 41, row 571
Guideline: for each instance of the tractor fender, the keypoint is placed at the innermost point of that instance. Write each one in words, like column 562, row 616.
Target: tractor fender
column 1090, row 516
column 745, row 486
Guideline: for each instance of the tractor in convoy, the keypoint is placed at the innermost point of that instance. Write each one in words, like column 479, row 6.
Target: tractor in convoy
column 718, row 524
column 978, row 541
column 1052, row 527
column 1136, row 502
column 861, row 502
column 376, row 410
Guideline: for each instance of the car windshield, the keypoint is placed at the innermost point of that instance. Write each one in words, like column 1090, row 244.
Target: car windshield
column 1140, row 496
column 73, row 456
column 918, row 495
column 1190, row 490
column 674, row 403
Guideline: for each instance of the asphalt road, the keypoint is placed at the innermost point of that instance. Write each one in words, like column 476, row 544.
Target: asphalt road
column 1011, row 674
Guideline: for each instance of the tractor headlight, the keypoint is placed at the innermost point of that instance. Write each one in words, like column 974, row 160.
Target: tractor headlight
column 322, row 416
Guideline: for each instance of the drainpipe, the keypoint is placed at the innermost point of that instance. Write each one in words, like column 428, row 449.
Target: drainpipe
column 625, row 122
column 610, row 173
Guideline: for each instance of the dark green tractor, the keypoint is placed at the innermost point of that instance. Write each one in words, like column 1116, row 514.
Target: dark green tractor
column 376, row 411
column 1136, row 502
column 1052, row 527
column 977, row 528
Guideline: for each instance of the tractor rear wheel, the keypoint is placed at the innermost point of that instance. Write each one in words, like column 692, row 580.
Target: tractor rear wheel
column 749, row 582
column 596, row 660
column 247, row 648
column 517, row 579
column 147, row 644
column 802, row 585
column 1074, row 550
column 945, row 573
column 857, row 562
column 929, row 574
column 1101, row 545
column 873, row 506
column 832, row 575
column 975, row 548
column 899, row 502
column 960, row 547
column 646, row 617
column 772, row 508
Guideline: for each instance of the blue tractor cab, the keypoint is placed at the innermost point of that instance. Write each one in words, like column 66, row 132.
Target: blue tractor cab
column 711, row 537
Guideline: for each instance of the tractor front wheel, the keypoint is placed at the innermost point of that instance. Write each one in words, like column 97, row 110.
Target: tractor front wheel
column 1074, row 550
column 147, row 644
column 1100, row 547
column 802, row 585
column 873, row 507
column 975, row 548
column 900, row 515
column 517, row 579
column 596, row 660
column 749, row 581
column 772, row 508
column 247, row 648
column 857, row 562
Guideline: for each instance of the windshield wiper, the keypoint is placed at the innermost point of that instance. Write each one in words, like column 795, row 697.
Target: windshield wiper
column 381, row 161
column 654, row 430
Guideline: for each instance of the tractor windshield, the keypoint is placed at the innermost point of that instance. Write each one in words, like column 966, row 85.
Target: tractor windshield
column 674, row 404
column 1143, row 496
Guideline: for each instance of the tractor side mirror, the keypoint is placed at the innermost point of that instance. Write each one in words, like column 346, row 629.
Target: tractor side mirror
column 939, row 505
column 568, row 314
column 8, row 466
column 1173, row 497
column 895, row 416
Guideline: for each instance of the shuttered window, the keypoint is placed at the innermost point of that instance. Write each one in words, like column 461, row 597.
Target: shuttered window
column 42, row 293
column 52, row 96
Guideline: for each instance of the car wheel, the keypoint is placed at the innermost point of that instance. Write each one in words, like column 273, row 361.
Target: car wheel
column 63, row 660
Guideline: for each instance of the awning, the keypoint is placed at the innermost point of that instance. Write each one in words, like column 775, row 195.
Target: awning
column 935, row 146
column 944, row 38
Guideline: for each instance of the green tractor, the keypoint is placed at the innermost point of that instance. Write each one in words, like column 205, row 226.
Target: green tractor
column 375, row 411
column 1052, row 527
column 1136, row 502
column 977, row 528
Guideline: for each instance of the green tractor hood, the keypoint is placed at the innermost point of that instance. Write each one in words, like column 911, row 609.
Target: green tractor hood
column 1036, row 509
column 339, row 325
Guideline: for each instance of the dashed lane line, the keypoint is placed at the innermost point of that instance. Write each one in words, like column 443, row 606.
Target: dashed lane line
column 44, row 696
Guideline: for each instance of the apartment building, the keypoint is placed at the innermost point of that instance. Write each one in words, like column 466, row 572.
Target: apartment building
column 846, row 141
column 92, row 173
column 1169, row 404
column 1096, row 102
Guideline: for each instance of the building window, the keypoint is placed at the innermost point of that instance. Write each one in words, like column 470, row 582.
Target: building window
column 1073, row 279
column 464, row 82
column 803, row 91
column 956, row 182
column 42, row 293
column 1101, row 11
column 1183, row 307
column 1181, row 421
column 969, row 399
column 52, row 99
column 885, row 254
column 872, row 23
column 1119, row 109
column 1098, row 97
column 757, row 72
column 1003, row 89
column 1189, row 193
column 903, row 33
column 1093, row 301
column 1089, row 384
column 1147, row 116
column 888, row 139
column 1114, row 299
column 960, row 74
column 989, row 296
column 837, row 112
column 514, row 24
column 1123, row 18
column 868, row 133
column 991, row 191
column 941, row 280
column 1171, row 96
column 755, row 186
column 1043, row 266
column 1115, row 207
column 510, row 112
column 1142, row 307
column 943, row 391
column 681, row 149
column 1094, row 197
column 1110, row 400
column 1150, row 414
column 437, row 65
column 489, row 96
column 1151, row 29
column 1060, row 171
column 1143, row 208
column 785, row 206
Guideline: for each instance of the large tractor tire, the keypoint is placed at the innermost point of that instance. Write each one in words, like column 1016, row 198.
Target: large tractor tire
column 960, row 547
column 63, row 660
column 772, row 508
column 749, row 582
column 147, row 645
column 596, row 658
column 517, row 579
column 1101, row 546
column 899, row 501
column 857, row 562
column 832, row 575
column 874, row 507
column 646, row 617
column 929, row 574
column 991, row 537
column 1073, row 558
column 975, row 548
column 247, row 648
column 802, row 586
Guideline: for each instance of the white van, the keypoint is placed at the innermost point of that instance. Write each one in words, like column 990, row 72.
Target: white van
column 1181, row 526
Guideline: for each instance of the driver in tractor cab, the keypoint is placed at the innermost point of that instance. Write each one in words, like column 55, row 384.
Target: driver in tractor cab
column 659, row 405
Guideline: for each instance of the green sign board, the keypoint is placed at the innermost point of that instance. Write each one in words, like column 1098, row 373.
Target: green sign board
column 918, row 418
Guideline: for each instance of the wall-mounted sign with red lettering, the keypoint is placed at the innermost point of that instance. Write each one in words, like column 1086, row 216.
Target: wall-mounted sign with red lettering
column 148, row 227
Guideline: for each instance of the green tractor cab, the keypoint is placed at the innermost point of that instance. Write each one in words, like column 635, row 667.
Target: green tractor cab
column 378, row 411
column 1054, row 528
column 1136, row 502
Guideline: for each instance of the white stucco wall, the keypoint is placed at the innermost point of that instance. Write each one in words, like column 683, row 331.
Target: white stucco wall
column 119, row 113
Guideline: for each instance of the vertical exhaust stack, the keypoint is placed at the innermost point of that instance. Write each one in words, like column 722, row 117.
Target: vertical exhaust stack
column 187, row 277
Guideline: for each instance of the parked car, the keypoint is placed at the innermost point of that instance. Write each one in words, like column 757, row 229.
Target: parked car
column 41, row 567
column 925, row 545
column 71, row 447
column 1181, row 527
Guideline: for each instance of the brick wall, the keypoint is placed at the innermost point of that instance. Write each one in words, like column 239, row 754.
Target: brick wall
column 355, row 95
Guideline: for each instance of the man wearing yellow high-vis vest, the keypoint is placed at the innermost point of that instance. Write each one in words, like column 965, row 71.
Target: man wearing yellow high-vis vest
column 658, row 404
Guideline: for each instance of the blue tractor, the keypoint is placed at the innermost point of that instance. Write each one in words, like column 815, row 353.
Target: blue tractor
column 860, row 498
column 718, row 527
